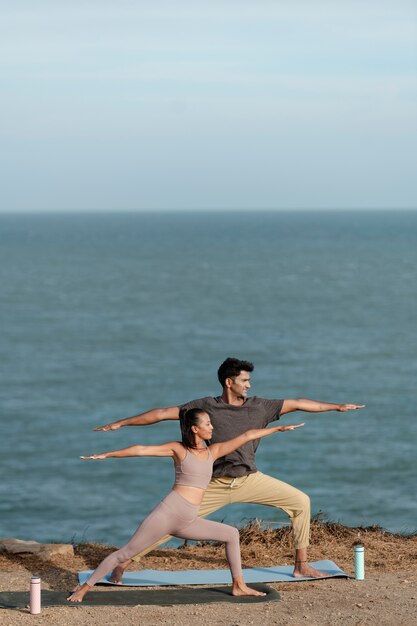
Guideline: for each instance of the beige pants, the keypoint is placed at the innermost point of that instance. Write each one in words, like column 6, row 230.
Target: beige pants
column 256, row 488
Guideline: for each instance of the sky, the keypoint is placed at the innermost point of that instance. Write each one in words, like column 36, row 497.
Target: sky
column 223, row 104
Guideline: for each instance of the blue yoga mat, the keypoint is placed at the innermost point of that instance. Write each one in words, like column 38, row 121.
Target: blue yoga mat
column 152, row 577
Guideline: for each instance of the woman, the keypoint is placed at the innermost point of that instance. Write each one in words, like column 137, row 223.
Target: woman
column 177, row 514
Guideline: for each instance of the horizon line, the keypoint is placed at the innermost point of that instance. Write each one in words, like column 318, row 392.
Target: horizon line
column 200, row 210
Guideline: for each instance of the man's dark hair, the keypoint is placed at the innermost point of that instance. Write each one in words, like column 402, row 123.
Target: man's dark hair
column 232, row 367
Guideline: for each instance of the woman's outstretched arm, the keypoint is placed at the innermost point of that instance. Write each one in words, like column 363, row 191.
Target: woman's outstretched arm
column 225, row 447
column 169, row 449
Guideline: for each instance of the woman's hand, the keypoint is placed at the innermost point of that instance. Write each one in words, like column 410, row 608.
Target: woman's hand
column 282, row 429
column 221, row 449
column 93, row 457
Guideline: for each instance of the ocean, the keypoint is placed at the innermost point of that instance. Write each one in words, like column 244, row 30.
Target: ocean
column 104, row 316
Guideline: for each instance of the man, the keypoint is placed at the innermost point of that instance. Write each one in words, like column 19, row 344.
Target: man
column 235, row 476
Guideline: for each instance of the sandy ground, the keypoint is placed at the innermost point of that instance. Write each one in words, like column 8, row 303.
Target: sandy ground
column 387, row 596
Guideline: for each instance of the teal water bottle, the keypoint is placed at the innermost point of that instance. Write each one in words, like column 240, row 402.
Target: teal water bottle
column 359, row 553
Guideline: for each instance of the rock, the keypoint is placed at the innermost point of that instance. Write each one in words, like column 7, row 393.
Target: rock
column 18, row 546
column 49, row 550
column 43, row 550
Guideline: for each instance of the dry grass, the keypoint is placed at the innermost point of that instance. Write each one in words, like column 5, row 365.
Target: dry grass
column 384, row 550
column 261, row 544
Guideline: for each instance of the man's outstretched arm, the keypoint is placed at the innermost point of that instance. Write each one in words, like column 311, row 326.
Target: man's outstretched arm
column 143, row 419
column 312, row 406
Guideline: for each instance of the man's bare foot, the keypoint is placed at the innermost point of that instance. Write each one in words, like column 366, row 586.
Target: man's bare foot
column 117, row 574
column 302, row 569
column 79, row 593
column 241, row 589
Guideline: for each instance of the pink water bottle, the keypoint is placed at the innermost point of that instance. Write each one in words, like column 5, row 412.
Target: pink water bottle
column 35, row 595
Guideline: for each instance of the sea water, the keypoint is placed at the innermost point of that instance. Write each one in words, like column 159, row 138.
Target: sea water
column 107, row 315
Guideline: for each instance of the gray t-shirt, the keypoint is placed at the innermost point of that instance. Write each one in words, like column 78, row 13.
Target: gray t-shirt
column 229, row 421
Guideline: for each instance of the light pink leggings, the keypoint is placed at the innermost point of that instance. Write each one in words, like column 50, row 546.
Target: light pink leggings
column 178, row 517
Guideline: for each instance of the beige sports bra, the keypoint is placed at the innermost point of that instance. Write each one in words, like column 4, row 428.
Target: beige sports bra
column 193, row 472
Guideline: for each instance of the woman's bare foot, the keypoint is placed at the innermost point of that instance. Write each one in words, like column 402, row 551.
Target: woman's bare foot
column 117, row 574
column 240, row 588
column 79, row 593
column 302, row 569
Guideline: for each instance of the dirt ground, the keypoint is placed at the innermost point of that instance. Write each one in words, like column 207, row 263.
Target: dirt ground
column 387, row 596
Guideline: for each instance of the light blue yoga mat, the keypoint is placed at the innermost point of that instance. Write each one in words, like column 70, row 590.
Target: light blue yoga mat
column 153, row 577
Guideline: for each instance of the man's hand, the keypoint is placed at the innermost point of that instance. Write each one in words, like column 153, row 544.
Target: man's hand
column 93, row 457
column 111, row 426
column 350, row 407
column 312, row 406
column 144, row 419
